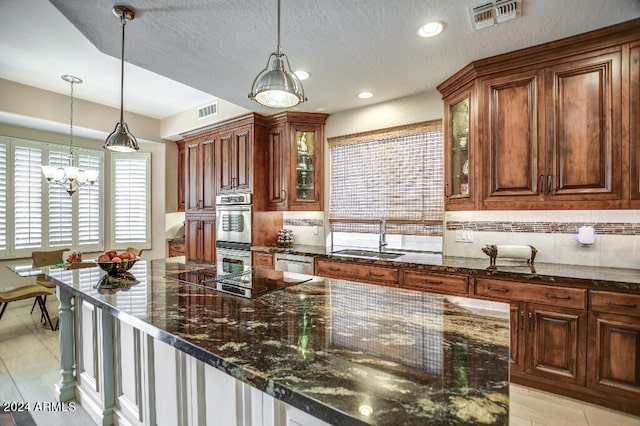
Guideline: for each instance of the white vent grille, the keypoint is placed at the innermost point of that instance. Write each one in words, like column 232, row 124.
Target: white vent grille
column 488, row 14
column 208, row 110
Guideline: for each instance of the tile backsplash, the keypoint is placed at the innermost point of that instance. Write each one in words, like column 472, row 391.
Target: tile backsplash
column 307, row 227
column 553, row 233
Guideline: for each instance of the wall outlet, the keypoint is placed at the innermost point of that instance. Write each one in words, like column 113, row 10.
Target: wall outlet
column 464, row 236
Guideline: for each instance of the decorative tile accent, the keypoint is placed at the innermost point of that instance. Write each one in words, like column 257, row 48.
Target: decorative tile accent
column 303, row 222
column 622, row 228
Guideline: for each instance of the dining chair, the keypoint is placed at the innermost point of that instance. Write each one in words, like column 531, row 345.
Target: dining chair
column 46, row 258
column 27, row 292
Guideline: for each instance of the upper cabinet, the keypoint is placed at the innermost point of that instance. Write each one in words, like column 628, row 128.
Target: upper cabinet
column 234, row 160
column 295, row 161
column 199, row 190
column 550, row 131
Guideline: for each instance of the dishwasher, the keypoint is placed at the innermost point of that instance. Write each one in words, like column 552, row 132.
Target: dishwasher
column 294, row 263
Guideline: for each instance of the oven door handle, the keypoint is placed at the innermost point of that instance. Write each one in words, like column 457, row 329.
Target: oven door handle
column 227, row 208
column 303, row 262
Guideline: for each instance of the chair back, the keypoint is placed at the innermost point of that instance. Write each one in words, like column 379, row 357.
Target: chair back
column 45, row 258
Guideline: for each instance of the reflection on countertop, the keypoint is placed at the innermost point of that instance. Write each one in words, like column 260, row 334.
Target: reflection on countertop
column 330, row 347
column 590, row 276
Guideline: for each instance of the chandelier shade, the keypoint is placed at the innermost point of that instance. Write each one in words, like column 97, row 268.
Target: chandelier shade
column 276, row 85
column 121, row 139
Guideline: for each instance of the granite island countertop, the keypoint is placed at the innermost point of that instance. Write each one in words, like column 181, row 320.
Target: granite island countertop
column 345, row 352
column 581, row 275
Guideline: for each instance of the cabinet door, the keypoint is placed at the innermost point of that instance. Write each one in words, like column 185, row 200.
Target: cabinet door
column 181, row 176
column 224, row 162
column 459, row 166
column 207, row 156
column 614, row 354
column 276, row 168
column 556, row 343
column 518, row 332
column 242, row 179
column 192, row 177
column 583, row 116
column 513, row 163
column 306, row 166
column 634, row 122
column 192, row 237
column 208, row 236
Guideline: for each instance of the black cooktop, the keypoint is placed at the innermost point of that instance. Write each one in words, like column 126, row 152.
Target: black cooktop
column 250, row 283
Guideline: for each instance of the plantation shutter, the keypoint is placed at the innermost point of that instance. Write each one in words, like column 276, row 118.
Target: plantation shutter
column 3, row 197
column 28, row 197
column 60, row 206
column 89, row 206
column 394, row 174
column 131, row 204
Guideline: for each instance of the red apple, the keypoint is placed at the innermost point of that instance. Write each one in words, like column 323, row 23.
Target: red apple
column 116, row 259
column 124, row 255
column 111, row 254
column 104, row 258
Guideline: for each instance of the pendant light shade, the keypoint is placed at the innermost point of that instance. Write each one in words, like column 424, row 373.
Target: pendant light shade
column 121, row 139
column 277, row 86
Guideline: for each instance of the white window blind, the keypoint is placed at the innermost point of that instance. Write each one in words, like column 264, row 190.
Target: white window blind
column 3, row 197
column 131, row 189
column 60, row 206
column 28, row 197
column 89, row 206
column 391, row 176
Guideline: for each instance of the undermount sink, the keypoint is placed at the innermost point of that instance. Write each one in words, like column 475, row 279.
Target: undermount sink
column 367, row 253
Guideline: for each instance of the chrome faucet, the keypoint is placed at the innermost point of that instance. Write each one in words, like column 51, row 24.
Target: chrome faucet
column 382, row 242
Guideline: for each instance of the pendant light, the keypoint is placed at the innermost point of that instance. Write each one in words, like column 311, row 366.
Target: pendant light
column 277, row 86
column 71, row 174
column 121, row 139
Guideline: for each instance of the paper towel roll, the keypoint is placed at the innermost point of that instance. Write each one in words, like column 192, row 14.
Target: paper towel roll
column 514, row 251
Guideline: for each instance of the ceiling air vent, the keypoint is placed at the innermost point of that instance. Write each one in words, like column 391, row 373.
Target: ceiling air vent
column 491, row 13
column 208, row 110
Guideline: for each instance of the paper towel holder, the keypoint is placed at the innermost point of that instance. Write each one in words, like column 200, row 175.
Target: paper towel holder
column 494, row 251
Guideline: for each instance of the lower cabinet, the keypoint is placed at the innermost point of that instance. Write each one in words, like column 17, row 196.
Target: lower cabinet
column 614, row 344
column 200, row 237
column 435, row 282
column 365, row 273
column 263, row 260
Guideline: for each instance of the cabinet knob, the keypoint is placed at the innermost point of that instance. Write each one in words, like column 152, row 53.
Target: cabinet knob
column 283, row 193
column 541, row 185
column 550, row 188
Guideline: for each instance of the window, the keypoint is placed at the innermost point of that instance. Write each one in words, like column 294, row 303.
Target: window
column 131, row 189
column 394, row 174
column 37, row 215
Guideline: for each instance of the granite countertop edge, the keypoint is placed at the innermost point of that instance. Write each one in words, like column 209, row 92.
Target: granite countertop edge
column 595, row 277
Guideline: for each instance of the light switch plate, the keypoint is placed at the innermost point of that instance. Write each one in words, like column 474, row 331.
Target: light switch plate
column 464, row 236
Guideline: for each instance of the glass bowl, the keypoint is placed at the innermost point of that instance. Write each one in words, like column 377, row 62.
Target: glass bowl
column 115, row 268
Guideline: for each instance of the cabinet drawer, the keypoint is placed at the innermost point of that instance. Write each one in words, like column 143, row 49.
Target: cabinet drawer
column 263, row 260
column 615, row 303
column 176, row 249
column 550, row 295
column 436, row 282
column 376, row 274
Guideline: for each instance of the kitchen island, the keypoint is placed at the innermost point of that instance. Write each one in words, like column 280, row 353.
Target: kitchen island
column 326, row 351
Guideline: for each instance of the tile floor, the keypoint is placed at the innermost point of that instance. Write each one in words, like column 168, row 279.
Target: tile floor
column 29, row 369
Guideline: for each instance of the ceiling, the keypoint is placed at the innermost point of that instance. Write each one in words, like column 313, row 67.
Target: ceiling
column 186, row 52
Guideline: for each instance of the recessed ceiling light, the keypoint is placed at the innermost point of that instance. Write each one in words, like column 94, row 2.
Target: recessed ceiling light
column 431, row 29
column 365, row 95
column 302, row 75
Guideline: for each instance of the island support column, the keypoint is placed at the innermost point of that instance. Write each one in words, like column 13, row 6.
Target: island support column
column 66, row 389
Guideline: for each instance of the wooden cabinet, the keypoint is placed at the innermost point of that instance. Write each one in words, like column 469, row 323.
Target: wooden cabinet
column 234, row 164
column 548, row 340
column 551, row 124
column 181, row 175
column 176, row 249
column 435, row 282
column 614, row 344
column 459, row 167
column 199, row 154
column 634, row 123
column 200, row 239
column 263, row 260
column 346, row 270
column 295, row 161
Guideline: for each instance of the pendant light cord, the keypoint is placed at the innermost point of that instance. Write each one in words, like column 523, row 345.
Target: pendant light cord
column 123, row 20
column 71, row 121
column 279, row 48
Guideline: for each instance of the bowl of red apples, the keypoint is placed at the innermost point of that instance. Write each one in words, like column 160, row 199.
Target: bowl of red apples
column 114, row 263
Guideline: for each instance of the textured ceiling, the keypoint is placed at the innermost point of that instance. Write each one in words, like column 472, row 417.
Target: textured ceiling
column 219, row 46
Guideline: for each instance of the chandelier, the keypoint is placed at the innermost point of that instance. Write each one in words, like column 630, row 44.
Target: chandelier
column 70, row 176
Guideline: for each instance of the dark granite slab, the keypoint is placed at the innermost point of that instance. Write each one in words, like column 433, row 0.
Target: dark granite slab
column 572, row 275
column 345, row 352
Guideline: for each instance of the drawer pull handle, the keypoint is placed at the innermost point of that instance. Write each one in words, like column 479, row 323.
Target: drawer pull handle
column 552, row 296
column 501, row 290
column 372, row 274
column 426, row 281
column 521, row 320
column 331, row 268
column 621, row 305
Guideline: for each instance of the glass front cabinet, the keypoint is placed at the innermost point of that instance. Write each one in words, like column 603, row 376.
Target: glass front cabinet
column 298, row 185
column 459, row 150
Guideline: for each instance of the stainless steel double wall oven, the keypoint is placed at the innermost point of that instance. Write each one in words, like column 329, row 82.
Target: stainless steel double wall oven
column 233, row 232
